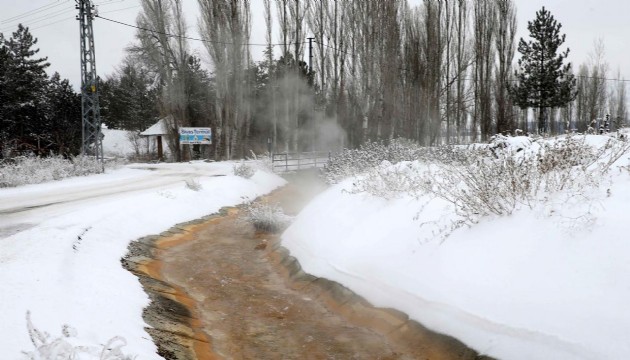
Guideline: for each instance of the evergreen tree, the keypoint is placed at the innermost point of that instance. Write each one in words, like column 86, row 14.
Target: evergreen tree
column 63, row 131
column 26, row 82
column 543, row 80
column 198, row 93
column 6, row 125
column 128, row 98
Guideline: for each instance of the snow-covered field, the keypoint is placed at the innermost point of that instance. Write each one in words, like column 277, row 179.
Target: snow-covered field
column 61, row 244
column 548, row 281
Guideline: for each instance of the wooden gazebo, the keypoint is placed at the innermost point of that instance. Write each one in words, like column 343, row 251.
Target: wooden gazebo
column 158, row 130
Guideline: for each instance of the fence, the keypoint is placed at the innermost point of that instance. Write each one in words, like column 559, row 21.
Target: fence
column 284, row 162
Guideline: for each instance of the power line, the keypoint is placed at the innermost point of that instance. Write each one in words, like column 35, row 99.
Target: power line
column 467, row 79
column 48, row 16
column 127, row 8
column 597, row 78
column 39, row 19
column 53, row 23
column 110, row 2
column 334, row 48
column 33, row 12
column 192, row 38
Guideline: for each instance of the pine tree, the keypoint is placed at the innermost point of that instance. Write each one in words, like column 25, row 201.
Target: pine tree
column 128, row 98
column 26, row 82
column 6, row 125
column 63, row 132
column 543, row 80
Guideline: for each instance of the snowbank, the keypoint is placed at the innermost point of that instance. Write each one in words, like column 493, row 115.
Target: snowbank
column 66, row 268
column 540, row 283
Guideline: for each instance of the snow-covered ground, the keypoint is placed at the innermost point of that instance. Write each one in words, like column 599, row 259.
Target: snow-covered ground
column 116, row 143
column 61, row 244
column 547, row 282
column 122, row 144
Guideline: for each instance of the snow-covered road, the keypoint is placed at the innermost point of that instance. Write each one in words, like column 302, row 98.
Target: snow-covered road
column 61, row 244
column 26, row 206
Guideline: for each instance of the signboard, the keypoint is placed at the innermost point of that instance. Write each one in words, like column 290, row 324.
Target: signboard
column 190, row 135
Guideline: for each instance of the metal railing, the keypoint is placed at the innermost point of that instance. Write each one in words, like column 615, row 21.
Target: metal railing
column 285, row 162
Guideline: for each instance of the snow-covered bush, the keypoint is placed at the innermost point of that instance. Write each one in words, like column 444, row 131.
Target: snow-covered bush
column 266, row 217
column 502, row 177
column 193, row 184
column 244, row 170
column 262, row 162
column 25, row 170
column 352, row 162
column 68, row 347
column 387, row 181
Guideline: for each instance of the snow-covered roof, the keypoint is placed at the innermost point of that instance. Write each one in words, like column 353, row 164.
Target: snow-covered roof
column 159, row 128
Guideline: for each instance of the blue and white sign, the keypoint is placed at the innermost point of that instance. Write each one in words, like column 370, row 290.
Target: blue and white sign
column 190, row 135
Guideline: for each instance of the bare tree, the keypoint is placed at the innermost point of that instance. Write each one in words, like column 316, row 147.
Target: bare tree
column 297, row 13
column 505, row 46
column 618, row 109
column 433, row 50
column 224, row 25
column 582, row 116
column 272, row 80
column 596, row 89
column 484, row 31
column 462, row 63
column 167, row 57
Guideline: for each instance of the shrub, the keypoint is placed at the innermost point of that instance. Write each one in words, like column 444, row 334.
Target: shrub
column 261, row 162
column 244, row 170
column 266, row 217
column 193, row 184
column 25, row 170
column 63, row 348
column 486, row 180
column 387, row 181
column 351, row 162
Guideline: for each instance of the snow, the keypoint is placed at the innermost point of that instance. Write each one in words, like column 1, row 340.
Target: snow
column 46, row 269
column 159, row 128
column 546, row 282
column 537, row 284
column 118, row 144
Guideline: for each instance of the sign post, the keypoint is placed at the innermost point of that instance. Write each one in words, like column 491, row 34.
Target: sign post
column 195, row 136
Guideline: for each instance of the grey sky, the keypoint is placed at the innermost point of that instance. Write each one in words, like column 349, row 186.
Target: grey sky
column 583, row 21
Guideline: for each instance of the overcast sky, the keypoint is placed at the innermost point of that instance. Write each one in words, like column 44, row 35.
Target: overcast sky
column 583, row 22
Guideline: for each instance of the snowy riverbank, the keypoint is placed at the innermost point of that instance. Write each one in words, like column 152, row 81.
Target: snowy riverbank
column 546, row 282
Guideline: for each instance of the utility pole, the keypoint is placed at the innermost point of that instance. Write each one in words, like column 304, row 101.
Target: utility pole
column 310, row 54
column 90, row 111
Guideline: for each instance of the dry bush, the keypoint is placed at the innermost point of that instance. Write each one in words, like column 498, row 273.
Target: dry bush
column 266, row 217
column 244, row 170
column 488, row 180
column 64, row 348
column 193, row 184
column 25, row 170
column 351, row 162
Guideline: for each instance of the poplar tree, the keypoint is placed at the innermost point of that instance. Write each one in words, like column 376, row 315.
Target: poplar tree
column 544, row 81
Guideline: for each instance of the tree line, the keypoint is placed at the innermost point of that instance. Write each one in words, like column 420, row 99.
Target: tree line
column 440, row 72
column 38, row 114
